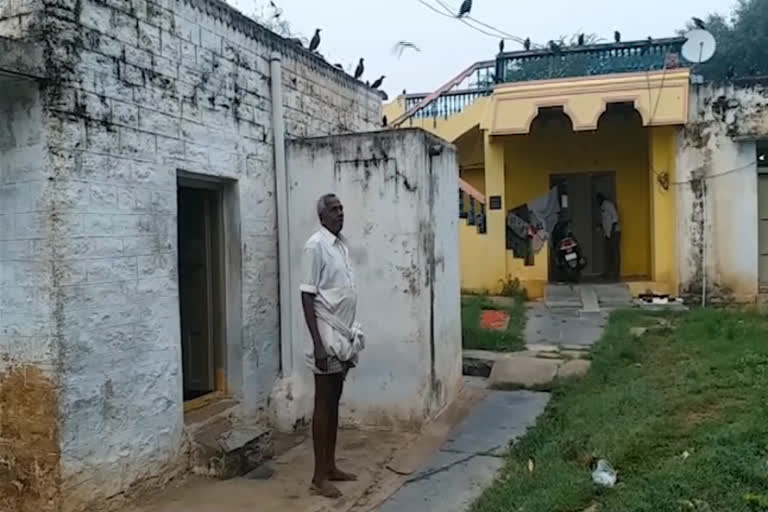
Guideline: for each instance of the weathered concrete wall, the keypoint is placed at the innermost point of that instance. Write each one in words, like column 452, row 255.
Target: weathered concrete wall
column 29, row 348
column 717, row 185
column 136, row 91
column 401, row 216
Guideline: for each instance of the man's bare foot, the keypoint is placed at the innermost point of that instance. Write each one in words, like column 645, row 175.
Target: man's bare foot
column 338, row 475
column 326, row 489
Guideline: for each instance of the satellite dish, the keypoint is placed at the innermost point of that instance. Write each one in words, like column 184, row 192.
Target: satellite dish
column 699, row 47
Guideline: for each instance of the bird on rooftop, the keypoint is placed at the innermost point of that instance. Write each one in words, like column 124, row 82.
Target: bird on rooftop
column 501, row 46
column 554, row 47
column 581, row 39
column 405, row 92
column 384, row 121
column 315, row 41
column 339, row 66
column 527, row 44
column 648, row 44
column 466, row 7
column 377, row 83
column 617, row 36
column 360, row 69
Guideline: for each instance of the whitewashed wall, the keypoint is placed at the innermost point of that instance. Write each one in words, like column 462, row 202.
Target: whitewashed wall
column 132, row 93
column 718, row 144
column 401, row 218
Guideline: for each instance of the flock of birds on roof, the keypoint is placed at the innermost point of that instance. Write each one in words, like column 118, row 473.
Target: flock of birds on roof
column 464, row 10
column 314, row 44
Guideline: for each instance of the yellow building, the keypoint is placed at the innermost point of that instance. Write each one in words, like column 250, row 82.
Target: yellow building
column 592, row 119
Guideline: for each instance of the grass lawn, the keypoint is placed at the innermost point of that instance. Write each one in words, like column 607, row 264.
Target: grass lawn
column 473, row 337
column 681, row 413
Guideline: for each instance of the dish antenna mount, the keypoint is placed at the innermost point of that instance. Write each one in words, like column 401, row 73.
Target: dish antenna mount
column 699, row 47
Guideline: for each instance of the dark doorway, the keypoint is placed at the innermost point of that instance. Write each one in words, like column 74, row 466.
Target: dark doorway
column 578, row 199
column 200, row 290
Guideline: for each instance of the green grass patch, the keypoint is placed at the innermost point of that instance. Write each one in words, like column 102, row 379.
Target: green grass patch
column 681, row 413
column 474, row 337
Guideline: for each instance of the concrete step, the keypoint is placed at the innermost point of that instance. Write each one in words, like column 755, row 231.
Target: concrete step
column 223, row 449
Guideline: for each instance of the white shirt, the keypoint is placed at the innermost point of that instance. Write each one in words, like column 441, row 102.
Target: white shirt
column 610, row 217
column 327, row 274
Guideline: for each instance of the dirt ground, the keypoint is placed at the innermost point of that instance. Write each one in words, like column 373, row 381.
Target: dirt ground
column 382, row 461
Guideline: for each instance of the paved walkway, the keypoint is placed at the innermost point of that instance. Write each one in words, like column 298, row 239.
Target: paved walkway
column 468, row 462
column 573, row 316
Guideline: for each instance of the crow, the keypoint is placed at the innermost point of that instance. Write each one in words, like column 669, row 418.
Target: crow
column 384, row 121
column 377, row 83
column 360, row 69
column 466, row 7
column 315, row 41
column 581, row 39
column 617, row 36
column 699, row 23
column 339, row 66
column 648, row 44
column 501, row 46
column 527, row 44
column 405, row 92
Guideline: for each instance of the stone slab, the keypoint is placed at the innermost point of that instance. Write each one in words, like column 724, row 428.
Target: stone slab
column 524, row 373
column 573, row 368
column 589, row 302
column 563, row 326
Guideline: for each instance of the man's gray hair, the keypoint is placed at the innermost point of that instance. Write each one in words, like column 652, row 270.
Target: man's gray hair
column 322, row 203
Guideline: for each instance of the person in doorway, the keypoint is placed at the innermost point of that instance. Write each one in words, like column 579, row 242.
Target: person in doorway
column 329, row 300
column 612, row 229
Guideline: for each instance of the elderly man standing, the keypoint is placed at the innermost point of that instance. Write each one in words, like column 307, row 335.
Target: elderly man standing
column 329, row 300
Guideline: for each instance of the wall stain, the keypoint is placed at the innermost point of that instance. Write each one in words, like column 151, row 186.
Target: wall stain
column 30, row 479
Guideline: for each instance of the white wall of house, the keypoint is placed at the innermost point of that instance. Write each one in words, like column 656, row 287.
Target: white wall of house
column 401, row 219
column 138, row 91
column 717, row 223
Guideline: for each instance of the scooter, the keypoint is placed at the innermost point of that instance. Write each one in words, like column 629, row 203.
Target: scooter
column 568, row 257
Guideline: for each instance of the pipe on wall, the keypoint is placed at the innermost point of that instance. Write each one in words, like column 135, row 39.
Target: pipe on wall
column 281, row 185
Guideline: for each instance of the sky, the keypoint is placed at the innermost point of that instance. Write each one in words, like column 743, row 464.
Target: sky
column 370, row 28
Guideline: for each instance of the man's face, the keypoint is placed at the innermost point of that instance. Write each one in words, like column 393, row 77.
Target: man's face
column 333, row 216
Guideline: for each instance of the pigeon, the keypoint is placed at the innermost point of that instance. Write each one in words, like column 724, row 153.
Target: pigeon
column 617, row 36
column 501, row 46
column 466, row 7
column 360, row 69
column 377, row 83
column 315, row 41
column 699, row 23
column 581, row 39
column 527, row 44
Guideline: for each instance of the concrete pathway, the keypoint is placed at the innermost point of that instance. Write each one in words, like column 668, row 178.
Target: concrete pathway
column 573, row 316
column 469, row 461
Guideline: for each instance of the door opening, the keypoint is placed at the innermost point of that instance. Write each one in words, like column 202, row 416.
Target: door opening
column 582, row 210
column 201, row 297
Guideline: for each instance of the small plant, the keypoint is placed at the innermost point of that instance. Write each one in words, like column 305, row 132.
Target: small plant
column 511, row 287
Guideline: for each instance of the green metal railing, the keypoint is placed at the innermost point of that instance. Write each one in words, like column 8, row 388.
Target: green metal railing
column 597, row 59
